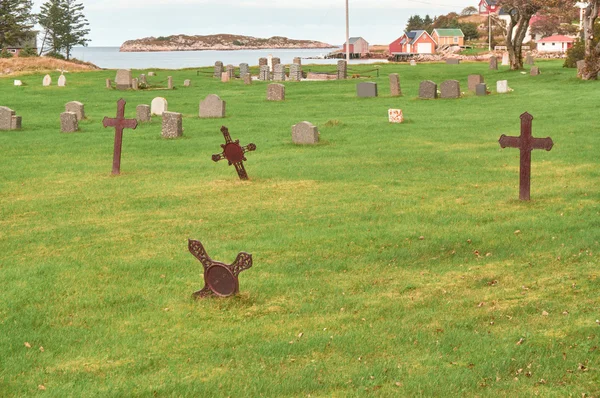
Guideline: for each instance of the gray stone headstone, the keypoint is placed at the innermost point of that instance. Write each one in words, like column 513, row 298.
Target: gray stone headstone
column 452, row 61
column 247, row 79
column 151, row 73
column 142, row 79
column 8, row 119
column 529, row 59
column 298, row 60
column 413, row 62
column 230, row 69
column 77, row 108
column 218, row 69
column 295, row 72
column 143, row 114
column 474, row 80
column 62, row 81
column 580, row 67
column 535, row 70
column 68, row 122
column 502, row 86
column 305, row 133
column 187, row 83
column 47, row 81
column 275, row 92
column 450, row 89
column 263, row 61
column 123, row 79
column 212, row 107
column 275, row 61
column 244, row 69
column 108, row 83
column 158, row 106
column 172, row 125
column 265, row 73
column 342, row 69
column 493, row 63
column 366, row 89
column 481, row 89
column 428, row 90
column 279, row 72
column 170, row 82
column 395, row 85
column 15, row 123
column 134, row 84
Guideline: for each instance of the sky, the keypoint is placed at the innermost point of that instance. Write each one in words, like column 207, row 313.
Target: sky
column 378, row 21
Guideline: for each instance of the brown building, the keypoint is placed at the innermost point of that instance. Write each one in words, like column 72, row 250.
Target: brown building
column 448, row 37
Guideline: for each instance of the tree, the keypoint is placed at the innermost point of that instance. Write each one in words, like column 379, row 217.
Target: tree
column 592, row 50
column 50, row 19
column 469, row 11
column 415, row 22
column 470, row 30
column 550, row 25
column 64, row 24
column 15, row 21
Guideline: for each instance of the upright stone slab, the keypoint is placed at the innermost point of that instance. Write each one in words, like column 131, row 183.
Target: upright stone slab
column 218, row 69
column 481, row 89
column 230, row 71
column 305, row 133
column 452, row 61
column 395, row 85
column 151, row 73
column 493, row 63
column 263, row 61
column 212, row 107
column 502, row 86
column 47, row 81
column 108, row 83
column 295, row 72
column 247, row 79
column 68, row 122
column 134, row 84
column 342, row 69
column 535, row 70
column 142, row 80
column 529, row 59
column 77, row 108
column 580, row 67
column 279, row 72
column 170, row 82
column 395, row 116
column 158, row 106
column 244, row 70
column 297, row 60
column 123, row 79
column 172, row 125
column 474, row 80
column 413, row 62
column 143, row 114
column 450, row 89
column 265, row 73
column 505, row 59
column 62, row 81
column 225, row 77
column 428, row 90
column 275, row 92
column 275, row 61
column 8, row 119
column 187, row 83
column 366, row 89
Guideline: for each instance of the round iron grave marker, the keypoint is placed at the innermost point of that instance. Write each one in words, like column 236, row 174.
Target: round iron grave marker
column 221, row 280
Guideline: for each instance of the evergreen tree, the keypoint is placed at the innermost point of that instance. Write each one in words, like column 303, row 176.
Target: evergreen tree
column 64, row 24
column 15, row 21
column 76, row 24
column 415, row 22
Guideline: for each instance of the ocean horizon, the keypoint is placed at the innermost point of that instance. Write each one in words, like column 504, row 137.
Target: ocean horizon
column 112, row 58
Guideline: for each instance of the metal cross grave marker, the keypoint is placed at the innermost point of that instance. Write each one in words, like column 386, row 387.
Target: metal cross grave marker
column 234, row 153
column 219, row 279
column 119, row 123
column 526, row 143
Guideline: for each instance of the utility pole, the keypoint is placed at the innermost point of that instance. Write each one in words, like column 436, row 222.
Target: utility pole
column 490, row 31
column 347, row 33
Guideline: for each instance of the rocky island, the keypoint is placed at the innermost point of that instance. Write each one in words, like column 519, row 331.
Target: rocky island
column 215, row 42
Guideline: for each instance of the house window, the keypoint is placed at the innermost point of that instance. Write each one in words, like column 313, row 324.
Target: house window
column 456, row 39
column 553, row 44
column 12, row 50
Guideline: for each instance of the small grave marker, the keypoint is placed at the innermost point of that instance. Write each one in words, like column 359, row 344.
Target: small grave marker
column 481, row 89
column 218, row 69
column 123, row 79
column 474, row 80
column 119, row 123
column 305, row 133
column 212, row 106
column 342, row 69
column 535, row 70
column 366, row 89
column 502, row 86
column 395, row 116
column 450, row 89
column 68, row 122
column 395, row 89
column 9, row 120
column 143, row 113
column 47, row 81
column 158, row 106
column 493, row 63
column 428, row 90
column 275, row 92
column 234, row 153
column 77, row 108
column 62, row 81
column 172, row 125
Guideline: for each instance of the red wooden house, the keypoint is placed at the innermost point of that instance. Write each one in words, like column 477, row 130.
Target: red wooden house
column 413, row 42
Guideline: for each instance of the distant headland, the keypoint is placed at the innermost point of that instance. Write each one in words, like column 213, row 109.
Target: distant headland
column 216, row 42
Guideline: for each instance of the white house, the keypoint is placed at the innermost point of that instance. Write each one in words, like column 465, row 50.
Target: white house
column 555, row 44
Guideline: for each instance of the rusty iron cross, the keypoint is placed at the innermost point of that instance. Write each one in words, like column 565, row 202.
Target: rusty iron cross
column 219, row 279
column 526, row 143
column 234, row 153
column 119, row 123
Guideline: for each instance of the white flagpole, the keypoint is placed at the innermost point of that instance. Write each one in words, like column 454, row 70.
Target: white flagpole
column 347, row 33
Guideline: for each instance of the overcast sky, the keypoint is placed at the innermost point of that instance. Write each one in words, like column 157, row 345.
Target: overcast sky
column 378, row 21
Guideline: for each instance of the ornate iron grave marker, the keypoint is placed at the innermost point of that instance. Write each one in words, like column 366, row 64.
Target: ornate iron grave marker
column 526, row 143
column 119, row 123
column 234, row 153
column 219, row 279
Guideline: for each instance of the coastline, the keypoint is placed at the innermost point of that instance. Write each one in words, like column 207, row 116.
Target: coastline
column 223, row 49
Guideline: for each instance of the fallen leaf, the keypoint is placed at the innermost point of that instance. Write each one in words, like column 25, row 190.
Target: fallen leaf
column 41, row 349
column 545, row 313
column 481, row 304
column 398, row 384
column 300, row 334
column 421, row 237
column 517, row 232
column 521, row 340
column 27, row 345
column 42, row 387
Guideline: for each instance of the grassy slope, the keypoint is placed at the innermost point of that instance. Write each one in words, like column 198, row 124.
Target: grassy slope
column 343, row 297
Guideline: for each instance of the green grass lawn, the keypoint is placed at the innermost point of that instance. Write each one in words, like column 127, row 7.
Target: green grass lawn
column 389, row 259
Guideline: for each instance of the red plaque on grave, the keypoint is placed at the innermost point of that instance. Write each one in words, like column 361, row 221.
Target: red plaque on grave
column 219, row 279
column 526, row 143
column 119, row 123
column 234, row 153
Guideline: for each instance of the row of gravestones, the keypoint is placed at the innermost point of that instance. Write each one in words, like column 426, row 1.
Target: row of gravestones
column 279, row 71
column 505, row 61
column 47, row 81
column 125, row 81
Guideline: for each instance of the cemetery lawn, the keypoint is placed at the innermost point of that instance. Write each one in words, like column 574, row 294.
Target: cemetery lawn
column 389, row 259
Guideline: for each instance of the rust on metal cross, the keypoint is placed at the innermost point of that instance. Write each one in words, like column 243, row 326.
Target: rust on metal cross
column 219, row 279
column 119, row 123
column 234, row 153
column 526, row 143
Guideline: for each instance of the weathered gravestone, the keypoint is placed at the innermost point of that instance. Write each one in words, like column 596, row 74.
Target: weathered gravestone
column 366, row 89
column 18, row 83
column 526, row 143
column 134, row 84
column 172, row 125
column 279, row 72
column 275, row 61
column 225, row 77
column 244, row 69
column 212, row 107
column 264, row 73
column 474, row 80
column 295, row 72
column 481, row 89
column 8, row 119
column 218, row 69
column 428, row 90
column 413, row 62
column 47, row 81
column 123, row 79
column 108, row 83
column 450, row 89
column 263, row 61
column 68, row 122
column 170, row 82
column 452, row 61
column 493, row 63
column 297, row 60
column 502, row 86
column 220, row 279
column 247, row 78
column 151, row 73
column 395, row 85
column 62, row 81
column 234, row 153
column 275, row 92
column 395, row 116
column 158, row 106
column 230, row 69
column 305, row 133
column 580, row 67
column 142, row 80
column 529, row 59
column 535, row 71
column 342, row 69
column 143, row 114
column 187, row 83
column 119, row 123
column 505, row 59
column 77, row 108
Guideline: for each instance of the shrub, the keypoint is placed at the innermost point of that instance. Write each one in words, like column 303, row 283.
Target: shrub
column 54, row 54
column 5, row 54
column 28, row 52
